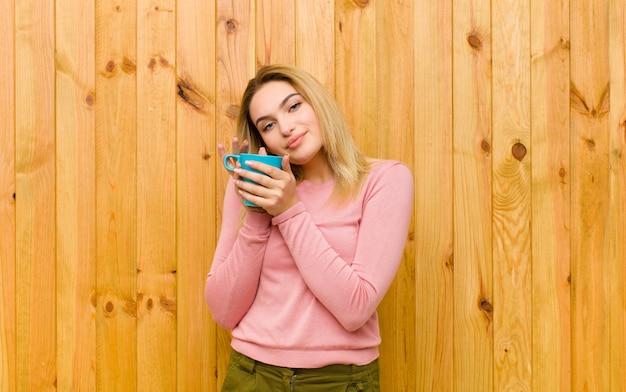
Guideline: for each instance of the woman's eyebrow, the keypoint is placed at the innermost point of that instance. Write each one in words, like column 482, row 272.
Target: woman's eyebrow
column 282, row 103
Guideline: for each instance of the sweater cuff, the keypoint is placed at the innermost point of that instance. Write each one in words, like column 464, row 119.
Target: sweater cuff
column 290, row 213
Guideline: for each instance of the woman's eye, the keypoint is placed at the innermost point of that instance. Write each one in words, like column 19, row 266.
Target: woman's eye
column 295, row 106
column 268, row 126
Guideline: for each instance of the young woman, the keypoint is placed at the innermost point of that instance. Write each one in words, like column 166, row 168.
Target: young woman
column 298, row 278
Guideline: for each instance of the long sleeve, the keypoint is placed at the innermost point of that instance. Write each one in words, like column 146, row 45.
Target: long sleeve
column 232, row 283
column 352, row 289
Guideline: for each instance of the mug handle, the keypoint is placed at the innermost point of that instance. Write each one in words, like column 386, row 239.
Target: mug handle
column 227, row 157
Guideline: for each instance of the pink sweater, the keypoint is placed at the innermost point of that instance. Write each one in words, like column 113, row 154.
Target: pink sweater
column 301, row 289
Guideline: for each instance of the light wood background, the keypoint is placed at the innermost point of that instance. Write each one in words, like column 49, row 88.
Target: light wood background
column 511, row 114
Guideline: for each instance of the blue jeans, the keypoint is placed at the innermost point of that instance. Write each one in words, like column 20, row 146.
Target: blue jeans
column 244, row 374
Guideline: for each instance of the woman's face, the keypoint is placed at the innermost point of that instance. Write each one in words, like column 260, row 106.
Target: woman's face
column 286, row 122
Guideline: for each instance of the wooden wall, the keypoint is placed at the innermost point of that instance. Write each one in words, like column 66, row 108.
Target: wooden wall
column 511, row 114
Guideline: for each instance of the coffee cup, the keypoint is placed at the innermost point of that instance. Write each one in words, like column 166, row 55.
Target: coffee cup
column 271, row 160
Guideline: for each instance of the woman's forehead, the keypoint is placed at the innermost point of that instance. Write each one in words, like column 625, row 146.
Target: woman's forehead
column 270, row 97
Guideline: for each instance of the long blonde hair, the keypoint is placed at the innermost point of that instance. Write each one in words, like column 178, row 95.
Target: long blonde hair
column 348, row 163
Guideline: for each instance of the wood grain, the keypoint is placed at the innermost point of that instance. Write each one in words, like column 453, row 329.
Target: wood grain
column 35, row 275
column 356, row 70
column 550, row 57
column 275, row 32
column 314, row 36
column 196, row 165
column 472, row 145
column 156, row 196
column 589, row 143
column 511, row 196
column 7, row 200
column 75, row 195
column 433, row 242
column 116, row 196
column 614, row 247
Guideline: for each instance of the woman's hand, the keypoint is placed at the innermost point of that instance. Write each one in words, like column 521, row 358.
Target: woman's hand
column 237, row 149
column 274, row 192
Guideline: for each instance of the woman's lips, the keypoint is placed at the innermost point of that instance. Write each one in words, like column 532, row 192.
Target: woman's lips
column 295, row 141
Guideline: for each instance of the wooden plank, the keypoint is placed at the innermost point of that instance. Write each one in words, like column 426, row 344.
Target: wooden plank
column 116, row 196
column 356, row 70
column 396, row 115
column 511, row 195
column 156, row 196
column 76, row 207
column 275, row 31
column 35, row 197
column 472, row 146
column 196, row 202
column 7, row 197
column 433, row 249
column 614, row 276
column 234, row 67
column 589, row 97
column 551, row 345
column 316, row 35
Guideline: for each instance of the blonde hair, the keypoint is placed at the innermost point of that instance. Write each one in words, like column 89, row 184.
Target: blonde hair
column 348, row 163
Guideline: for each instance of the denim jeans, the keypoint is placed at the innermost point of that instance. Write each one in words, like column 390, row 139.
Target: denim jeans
column 244, row 374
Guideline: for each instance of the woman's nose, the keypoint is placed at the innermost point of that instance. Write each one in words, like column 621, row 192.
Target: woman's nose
column 286, row 127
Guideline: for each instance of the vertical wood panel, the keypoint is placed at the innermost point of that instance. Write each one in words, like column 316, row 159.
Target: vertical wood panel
column 116, row 196
column 7, row 199
column 357, row 74
column 396, row 114
column 472, row 144
column 511, row 195
column 275, row 26
column 234, row 67
column 35, row 197
column 614, row 245
column 433, row 248
column 197, row 162
column 551, row 368
column 314, row 36
column 590, row 191
column 156, row 196
column 75, row 212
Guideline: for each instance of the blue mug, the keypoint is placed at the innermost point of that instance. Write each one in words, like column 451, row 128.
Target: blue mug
column 271, row 160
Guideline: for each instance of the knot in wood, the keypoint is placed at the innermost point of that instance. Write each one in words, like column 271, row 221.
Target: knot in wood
column 109, row 69
column 90, row 99
column 231, row 26
column 163, row 62
column 129, row 66
column 485, row 146
column 152, row 64
column 233, row 111
column 519, row 151
column 474, row 41
column 486, row 306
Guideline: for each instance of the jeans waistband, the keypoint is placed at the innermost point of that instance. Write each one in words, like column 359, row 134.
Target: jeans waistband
column 249, row 364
